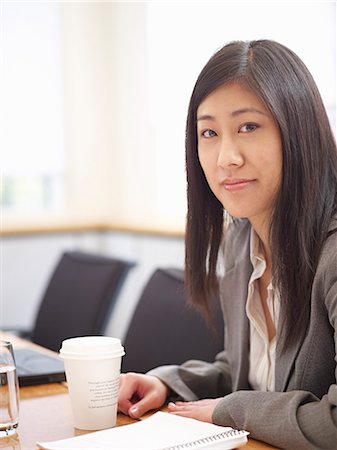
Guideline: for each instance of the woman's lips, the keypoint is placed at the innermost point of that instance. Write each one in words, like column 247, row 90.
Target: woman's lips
column 236, row 184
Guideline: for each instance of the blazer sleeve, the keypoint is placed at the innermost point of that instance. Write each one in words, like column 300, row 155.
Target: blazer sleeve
column 297, row 418
column 197, row 379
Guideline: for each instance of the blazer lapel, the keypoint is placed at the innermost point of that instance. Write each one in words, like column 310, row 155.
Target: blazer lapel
column 285, row 361
column 234, row 294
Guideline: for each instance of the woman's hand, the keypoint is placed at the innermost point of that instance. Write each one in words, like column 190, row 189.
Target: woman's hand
column 200, row 410
column 139, row 393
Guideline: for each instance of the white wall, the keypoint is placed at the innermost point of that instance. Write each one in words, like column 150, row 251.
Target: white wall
column 27, row 262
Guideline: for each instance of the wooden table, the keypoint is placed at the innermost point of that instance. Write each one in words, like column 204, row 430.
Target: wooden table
column 45, row 413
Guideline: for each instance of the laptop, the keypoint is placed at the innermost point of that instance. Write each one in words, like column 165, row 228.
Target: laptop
column 34, row 367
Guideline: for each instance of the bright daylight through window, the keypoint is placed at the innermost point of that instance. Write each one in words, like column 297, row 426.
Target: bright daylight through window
column 95, row 95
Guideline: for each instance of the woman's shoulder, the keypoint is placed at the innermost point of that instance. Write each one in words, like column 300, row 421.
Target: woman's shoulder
column 325, row 281
column 328, row 258
column 236, row 242
column 236, row 230
column 333, row 225
column 326, row 272
column 236, row 234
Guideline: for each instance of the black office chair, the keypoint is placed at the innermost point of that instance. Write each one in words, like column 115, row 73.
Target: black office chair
column 79, row 298
column 165, row 330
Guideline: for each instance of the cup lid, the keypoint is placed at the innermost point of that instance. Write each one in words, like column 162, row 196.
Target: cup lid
column 94, row 347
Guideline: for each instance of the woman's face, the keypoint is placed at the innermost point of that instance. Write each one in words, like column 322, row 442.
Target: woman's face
column 240, row 151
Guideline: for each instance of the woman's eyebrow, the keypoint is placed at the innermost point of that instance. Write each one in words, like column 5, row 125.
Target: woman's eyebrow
column 234, row 113
column 240, row 111
column 205, row 117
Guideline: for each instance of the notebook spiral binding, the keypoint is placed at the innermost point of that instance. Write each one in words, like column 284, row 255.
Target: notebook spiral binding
column 207, row 440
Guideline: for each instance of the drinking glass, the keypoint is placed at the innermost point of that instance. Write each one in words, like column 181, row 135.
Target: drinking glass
column 9, row 391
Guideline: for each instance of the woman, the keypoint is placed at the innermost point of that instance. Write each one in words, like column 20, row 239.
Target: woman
column 262, row 200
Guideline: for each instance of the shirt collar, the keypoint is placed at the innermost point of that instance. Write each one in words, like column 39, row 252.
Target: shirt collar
column 256, row 251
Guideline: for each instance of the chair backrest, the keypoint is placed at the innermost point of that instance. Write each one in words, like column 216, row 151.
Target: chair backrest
column 79, row 297
column 165, row 330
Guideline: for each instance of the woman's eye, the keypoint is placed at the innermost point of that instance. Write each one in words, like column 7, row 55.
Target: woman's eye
column 208, row 133
column 248, row 127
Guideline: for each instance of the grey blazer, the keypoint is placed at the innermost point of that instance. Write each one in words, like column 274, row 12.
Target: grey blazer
column 302, row 412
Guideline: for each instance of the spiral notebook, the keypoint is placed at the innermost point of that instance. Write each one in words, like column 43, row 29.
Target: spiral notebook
column 161, row 431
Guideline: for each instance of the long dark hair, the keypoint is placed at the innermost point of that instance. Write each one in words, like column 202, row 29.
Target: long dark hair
column 307, row 198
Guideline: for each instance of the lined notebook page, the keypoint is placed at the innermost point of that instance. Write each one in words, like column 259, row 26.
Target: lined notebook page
column 161, row 431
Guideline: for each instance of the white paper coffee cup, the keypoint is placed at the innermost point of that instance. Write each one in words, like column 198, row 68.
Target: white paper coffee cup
column 92, row 366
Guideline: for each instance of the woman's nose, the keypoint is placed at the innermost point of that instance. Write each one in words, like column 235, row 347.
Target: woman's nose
column 229, row 154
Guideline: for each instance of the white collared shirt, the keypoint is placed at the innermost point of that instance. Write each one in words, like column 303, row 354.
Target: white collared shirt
column 262, row 352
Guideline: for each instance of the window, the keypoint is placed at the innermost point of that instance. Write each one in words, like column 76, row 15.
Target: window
column 95, row 98
column 32, row 149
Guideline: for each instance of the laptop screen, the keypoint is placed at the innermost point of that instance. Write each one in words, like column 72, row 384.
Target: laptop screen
column 34, row 367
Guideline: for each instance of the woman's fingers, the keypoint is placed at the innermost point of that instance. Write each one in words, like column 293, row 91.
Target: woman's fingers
column 200, row 410
column 126, row 393
column 150, row 401
column 139, row 393
column 197, row 403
